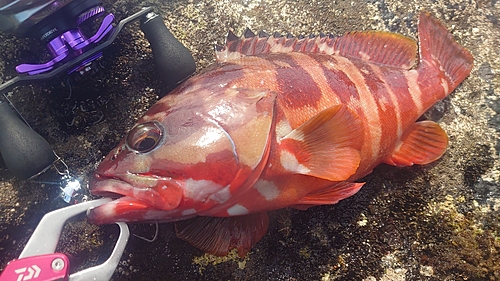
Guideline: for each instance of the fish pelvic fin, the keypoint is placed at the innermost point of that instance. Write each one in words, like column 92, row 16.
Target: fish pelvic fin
column 439, row 49
column 219, row 235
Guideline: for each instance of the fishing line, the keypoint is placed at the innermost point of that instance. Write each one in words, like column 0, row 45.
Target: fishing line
column 154, row 237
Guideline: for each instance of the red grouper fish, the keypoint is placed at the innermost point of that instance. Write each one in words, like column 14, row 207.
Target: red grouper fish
column 279, row 122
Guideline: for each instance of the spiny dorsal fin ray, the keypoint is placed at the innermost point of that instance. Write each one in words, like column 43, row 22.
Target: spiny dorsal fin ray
column 373, row 46
column 248, row 33
column 262, row 33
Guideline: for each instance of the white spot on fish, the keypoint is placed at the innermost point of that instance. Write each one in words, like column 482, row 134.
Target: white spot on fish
column 414, row 89
column 384, row 103
column 267, row 189
column 200, row 190
column 290, row 162
column 364, row 56
column 444, row 84
column 283, row 128
column 188, row 212
column 237, row 210
column 222, row 196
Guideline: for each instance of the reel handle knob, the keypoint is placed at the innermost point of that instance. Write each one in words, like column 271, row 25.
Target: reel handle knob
column 24, row 152
column 173, row 61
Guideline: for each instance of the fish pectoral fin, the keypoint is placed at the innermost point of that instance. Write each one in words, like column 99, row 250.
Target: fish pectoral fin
column 330, row 195
column 219, row 235
column 426, row 143
column 326, row 146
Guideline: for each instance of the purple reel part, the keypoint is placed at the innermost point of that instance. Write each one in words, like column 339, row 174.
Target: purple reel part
column 72, row 43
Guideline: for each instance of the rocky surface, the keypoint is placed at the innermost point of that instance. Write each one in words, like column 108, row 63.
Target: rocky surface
column 435, row 222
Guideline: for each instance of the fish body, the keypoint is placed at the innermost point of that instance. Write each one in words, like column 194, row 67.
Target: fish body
column 280, row 122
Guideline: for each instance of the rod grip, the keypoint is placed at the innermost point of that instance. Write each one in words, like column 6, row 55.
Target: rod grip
column 24, row 152
column 173, row 61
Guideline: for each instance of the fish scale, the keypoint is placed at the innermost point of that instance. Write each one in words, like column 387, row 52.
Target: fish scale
column 280, row 121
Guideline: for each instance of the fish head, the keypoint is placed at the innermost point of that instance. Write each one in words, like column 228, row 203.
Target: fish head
column 186, row 155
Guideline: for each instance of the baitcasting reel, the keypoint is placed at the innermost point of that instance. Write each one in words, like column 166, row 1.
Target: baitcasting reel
column 75, row 32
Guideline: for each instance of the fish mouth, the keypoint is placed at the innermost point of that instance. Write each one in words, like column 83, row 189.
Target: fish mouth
column 133, row 202
column 112, row 187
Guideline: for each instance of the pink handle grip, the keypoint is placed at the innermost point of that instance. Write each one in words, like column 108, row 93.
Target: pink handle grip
column 49, row 267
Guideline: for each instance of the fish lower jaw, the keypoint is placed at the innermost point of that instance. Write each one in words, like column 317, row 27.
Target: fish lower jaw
column 128, row 209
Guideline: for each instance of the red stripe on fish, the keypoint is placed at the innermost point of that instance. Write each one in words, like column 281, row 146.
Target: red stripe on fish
column 280, row 122
column 338, row 82
column 387, row 110
column 221, row 170
column 293, row 79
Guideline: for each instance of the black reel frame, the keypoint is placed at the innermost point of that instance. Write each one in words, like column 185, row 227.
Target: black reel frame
column 25, row 153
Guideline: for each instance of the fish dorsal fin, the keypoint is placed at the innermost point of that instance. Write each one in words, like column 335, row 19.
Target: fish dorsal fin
column 374, row 46
column 326, row 146
column 426, row 143
column 330, row 195
column 219, row 235
column 377, row 46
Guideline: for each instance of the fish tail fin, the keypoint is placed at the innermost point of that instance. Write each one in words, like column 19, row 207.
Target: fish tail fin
column 438, row 48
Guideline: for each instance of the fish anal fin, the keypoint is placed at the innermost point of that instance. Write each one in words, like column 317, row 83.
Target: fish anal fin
column 330, row 195
column 219, row 235
column 326, row 146
column 426, row 143
column 378, row 47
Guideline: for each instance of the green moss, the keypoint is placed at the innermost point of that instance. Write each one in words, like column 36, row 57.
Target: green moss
column 305, row 252
column 208, row 259
column 468, row 248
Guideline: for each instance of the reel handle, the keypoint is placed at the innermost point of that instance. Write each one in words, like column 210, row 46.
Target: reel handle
column 173, row 61
column 24, row 152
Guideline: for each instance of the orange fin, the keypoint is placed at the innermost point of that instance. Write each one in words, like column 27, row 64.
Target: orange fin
column 438, row 47
column 379, row 47
column 385, row 48
column 326, row 146
column 330, row 195
column 217, row 235
column 426, row 143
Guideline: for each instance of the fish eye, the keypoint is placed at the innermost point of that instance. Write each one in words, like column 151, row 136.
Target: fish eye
column 145, row 137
